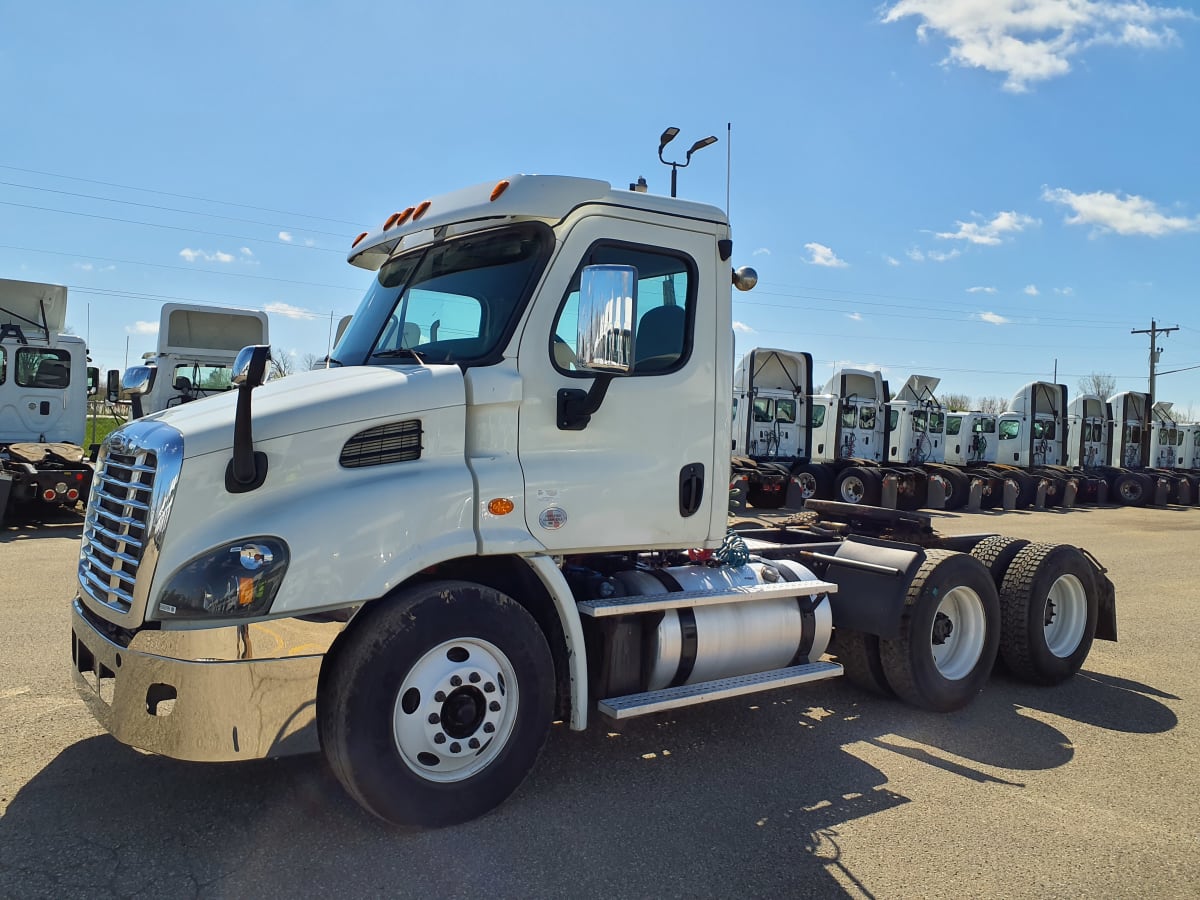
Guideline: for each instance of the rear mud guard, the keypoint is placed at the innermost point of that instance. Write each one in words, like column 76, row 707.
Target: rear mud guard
column 872, row 601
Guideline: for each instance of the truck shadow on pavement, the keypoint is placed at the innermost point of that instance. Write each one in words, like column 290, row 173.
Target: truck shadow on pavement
column 740, row 798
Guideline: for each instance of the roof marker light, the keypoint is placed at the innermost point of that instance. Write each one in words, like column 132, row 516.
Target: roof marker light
column 404, row 216
column 420, row 210
column 391, row 220
column 358, row 240
column 500, row 188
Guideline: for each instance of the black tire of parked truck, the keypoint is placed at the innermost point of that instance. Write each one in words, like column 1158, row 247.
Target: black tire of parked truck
column 949, row 634
column 1131, row 489
column 435, row 703
column 996, row 553
column 958, row 488
column 859, row 485
column 1048, row 609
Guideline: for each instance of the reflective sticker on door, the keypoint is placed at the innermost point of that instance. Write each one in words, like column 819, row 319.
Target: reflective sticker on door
column 553, row 518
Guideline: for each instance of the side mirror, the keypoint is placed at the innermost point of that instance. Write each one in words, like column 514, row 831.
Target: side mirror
column 113, row 386
column 250, row 367
column 137, row 380
column 606, row 321
column 93, row 381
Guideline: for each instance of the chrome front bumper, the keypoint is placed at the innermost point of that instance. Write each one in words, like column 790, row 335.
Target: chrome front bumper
column 244, row 692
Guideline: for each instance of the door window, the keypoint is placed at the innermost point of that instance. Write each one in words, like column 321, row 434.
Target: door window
column 41, row 367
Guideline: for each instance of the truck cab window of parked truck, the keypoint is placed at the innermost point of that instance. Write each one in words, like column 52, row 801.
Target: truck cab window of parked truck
column 204, row 378
column 1043, row 430
column 43, row 368
column 849, row 416
column 893, row 419
column 985, row 425
column 1133, row 434
column 937, row 422
column 785, row 411
column 817, row 418
column 453, row 301
column 1010, row 430
column 953, row 425
column 665, row 307
column 762, row 410
column 867, row 418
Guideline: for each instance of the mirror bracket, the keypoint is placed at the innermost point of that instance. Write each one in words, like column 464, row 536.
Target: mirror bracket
column 576, row 407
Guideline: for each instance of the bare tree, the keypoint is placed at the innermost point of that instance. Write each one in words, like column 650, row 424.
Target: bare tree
column 282, row 364
column 991, row 405
column 1098, row 383
column 955, row 402
column 310, row 361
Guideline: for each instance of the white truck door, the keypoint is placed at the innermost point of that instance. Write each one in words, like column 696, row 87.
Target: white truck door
column 641, row 473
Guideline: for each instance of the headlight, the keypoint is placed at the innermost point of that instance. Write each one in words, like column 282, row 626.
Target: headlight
column 237, row 580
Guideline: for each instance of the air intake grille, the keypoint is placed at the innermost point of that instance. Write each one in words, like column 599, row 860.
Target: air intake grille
column 395, row 442
column 114, row 534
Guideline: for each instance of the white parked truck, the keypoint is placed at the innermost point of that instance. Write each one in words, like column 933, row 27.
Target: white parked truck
column 771, row 422
column 45, row 383
column 1112, row 441
column 197, row 346
column 506, row 503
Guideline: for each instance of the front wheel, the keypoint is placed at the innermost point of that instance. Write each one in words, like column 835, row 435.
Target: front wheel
column 860, row 485
column 436, row 703
column 949, row 634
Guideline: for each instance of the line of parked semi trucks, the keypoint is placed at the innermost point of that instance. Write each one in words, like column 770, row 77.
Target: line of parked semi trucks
column 856, row 443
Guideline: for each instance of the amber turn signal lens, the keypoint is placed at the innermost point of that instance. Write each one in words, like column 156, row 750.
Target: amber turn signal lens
column 420, row 210
column 358, row 240
column 500, row 188
column 501, row 506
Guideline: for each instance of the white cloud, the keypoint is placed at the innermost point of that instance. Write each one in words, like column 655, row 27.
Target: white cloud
column 1128, row 214
column 939, row 256
column 86, row 267
column 989, row 233
column 761, row 251
column 1029, row 41
column 743, row 328
column 981, row 290
column 309, row 242
column 891, row 260
column 1031, row 290
column 915, row 254
column 1066, row 291
column 824, row 256
column 289, row 312
column 246, row 251
column 219, row 256
column 285, row 236
column 857, row 317
column 992, row 317
column 142, row 328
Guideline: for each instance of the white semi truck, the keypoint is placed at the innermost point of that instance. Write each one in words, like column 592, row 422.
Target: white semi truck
column 197, row 346
column 45, row 383
column 771, row 422
column 505, row 503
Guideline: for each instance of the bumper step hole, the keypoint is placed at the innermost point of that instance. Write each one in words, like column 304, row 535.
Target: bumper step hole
column 160, row 699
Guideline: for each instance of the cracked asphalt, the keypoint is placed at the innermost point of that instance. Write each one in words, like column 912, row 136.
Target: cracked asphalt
column 1087, row 789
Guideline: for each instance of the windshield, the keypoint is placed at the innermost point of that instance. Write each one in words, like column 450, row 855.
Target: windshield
column 451, row 302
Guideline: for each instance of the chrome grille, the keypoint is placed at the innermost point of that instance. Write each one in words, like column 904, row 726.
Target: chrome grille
column 116, row 531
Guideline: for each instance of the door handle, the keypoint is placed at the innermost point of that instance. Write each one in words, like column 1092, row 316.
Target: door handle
column 691, row 488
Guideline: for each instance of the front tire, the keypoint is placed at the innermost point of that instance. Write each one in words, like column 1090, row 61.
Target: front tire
column 949, row 634
column 436, row 703
column 1049, row 607
column 859, row 485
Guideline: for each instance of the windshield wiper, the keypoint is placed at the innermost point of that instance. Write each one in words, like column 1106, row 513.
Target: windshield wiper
column 399, row 351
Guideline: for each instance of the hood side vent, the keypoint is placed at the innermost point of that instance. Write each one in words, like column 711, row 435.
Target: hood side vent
column 394, row 442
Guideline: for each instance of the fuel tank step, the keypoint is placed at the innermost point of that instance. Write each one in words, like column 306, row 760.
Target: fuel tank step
column 624, row 606
column 691, row 694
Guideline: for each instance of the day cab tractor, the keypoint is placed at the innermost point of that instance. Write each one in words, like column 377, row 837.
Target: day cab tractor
column 505, row 503
column 771, row 422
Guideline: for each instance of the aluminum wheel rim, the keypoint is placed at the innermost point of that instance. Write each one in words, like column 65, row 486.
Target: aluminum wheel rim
column 853, row 489
column 1066, row 615
column 957, row 633
column 455, row 710
column 808, row 485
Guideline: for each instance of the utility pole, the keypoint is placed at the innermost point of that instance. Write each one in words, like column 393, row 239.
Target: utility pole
column 1154, row 331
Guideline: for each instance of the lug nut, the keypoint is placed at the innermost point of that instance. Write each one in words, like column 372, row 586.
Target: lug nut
column 434, row 718
column 439, row 697
column 439, row 738
column 494, row 706
column 474, row 678
column 488, row 688
column 473, row 743
column 456, row 747
column 489, row 727
column 455, row 681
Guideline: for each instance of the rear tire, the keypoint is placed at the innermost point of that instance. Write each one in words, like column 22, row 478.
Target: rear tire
column 859, row 485
column 958, row 489
column 435, row 703
column 949, row 634
column 858, row 652
column 1131, row 489
column 996, row 553
column 1049, row 607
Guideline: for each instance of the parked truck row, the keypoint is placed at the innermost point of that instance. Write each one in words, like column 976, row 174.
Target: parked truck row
column 505, row 503
column 856, row 442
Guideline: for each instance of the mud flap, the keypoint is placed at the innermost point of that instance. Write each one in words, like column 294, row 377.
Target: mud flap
column 5, row 489
column 870, row 598
column 1106, row 602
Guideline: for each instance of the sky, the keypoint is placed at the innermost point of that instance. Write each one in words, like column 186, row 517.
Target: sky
column 991, row 192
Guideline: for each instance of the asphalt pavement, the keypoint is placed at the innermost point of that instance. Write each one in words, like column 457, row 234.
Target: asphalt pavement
column 1087, row 789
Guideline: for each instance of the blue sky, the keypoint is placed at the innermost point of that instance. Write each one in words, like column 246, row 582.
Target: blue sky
column 981, row 190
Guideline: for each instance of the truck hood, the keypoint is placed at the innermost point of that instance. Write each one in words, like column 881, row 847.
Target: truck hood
column 310, row 401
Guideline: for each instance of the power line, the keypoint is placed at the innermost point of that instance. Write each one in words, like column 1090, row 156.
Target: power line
column 129, row 187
